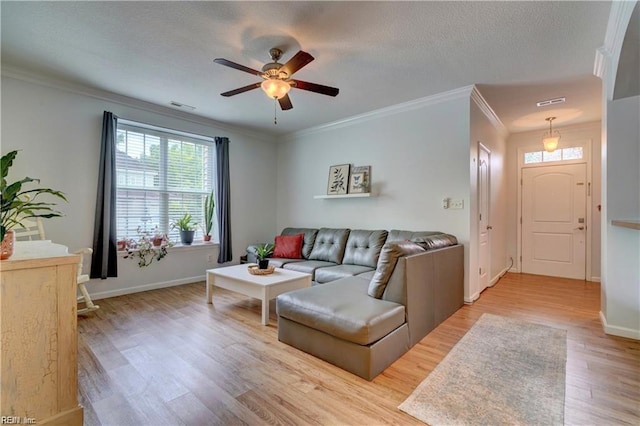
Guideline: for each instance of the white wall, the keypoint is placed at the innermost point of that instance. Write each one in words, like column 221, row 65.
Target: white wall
column 621, row 279
column 486, row 129
column 418, row 156
column 58, row 128
column 589, row 133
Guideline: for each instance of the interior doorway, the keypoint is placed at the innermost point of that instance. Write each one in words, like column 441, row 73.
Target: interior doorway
column 484, row 226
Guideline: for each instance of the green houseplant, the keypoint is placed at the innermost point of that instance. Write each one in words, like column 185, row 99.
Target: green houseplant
column 209, row 206
column 186, row 225
column 19, row 204
column 263, row 251
column 146, row 249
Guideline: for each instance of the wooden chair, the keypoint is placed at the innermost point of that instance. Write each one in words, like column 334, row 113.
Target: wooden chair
column 34, row 230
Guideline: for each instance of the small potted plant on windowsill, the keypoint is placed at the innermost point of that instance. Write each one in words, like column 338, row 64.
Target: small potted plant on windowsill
column 209, row 206
column 145, row 250
column 186, row 226
column 263, row 251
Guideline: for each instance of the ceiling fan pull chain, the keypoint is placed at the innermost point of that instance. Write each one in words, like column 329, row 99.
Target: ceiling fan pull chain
column 275, row 111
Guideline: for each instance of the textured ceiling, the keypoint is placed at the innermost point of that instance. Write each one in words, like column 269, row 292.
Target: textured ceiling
column 378, row 53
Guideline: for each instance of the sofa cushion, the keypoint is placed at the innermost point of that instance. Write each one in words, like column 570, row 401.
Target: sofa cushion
column 398, row 235
column 308, row 266
column 367, row 275
column 388, row 258
column 342, row 309
column 279, row 262
column 363, row 247
column 332, row 273
column 329, row 245
column 309, row 238
column 288, row 246
column 436, row 241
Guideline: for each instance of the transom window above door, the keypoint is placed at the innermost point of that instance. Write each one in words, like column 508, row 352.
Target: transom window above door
column 564, row 154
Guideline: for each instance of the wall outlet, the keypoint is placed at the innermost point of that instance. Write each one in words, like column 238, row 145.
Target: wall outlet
column 445, row 203
column 457, row 203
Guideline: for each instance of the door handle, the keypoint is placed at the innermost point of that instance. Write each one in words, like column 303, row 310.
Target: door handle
column 579, row 228
column 489, row 227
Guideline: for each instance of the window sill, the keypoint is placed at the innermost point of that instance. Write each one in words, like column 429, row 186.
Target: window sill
column 197, row 245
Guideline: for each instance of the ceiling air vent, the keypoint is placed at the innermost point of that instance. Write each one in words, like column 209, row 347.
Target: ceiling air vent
column 183, row 106
column 551, row 102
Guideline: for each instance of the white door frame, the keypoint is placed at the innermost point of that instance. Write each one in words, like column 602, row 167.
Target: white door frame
column 586, row 149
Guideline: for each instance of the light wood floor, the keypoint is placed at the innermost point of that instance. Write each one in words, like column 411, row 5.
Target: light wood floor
column 166, row 357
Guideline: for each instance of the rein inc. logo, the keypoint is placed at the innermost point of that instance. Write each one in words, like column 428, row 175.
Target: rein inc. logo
column 17, row 420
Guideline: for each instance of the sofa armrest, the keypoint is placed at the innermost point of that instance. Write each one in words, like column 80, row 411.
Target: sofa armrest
column 430, row 285
column 251, row 253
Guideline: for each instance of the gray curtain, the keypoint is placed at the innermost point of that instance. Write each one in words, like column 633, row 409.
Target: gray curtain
column 223, row 197
column 104, row 261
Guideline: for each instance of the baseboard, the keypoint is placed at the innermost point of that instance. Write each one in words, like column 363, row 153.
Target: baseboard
column 146, row 287
column 594, row 279
column 495, row 279
column 473, row 298
column 619, row 331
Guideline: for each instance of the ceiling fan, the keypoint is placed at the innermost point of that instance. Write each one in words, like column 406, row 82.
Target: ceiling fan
column 277, row 79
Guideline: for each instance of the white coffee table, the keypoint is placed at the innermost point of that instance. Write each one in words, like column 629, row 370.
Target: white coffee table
column 264, row 287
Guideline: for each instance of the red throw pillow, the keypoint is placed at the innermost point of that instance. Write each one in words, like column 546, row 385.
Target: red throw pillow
column 289, row 246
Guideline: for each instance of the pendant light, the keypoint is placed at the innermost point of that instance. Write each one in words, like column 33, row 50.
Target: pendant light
column 550, row 140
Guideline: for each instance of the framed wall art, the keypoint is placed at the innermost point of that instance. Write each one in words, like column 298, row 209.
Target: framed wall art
column 356, row 183
column 338, row 179
column 360, row 181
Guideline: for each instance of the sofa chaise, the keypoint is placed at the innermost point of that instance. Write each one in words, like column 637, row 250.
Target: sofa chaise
column 375, row 294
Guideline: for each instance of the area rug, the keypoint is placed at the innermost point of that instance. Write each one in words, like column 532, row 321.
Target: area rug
column 502, row 372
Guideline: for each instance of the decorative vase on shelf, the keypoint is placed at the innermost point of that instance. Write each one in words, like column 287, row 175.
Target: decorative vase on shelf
column 207, row 238
column 8, row 243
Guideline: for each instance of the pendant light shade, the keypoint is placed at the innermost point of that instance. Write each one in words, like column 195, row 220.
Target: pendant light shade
column 550, row 140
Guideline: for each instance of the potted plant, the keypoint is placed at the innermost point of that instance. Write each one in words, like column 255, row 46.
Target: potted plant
column 145, row 249
column 19, row 204
column 186, row 226
column 263, row 251
column 209, row 205
column 158, row 237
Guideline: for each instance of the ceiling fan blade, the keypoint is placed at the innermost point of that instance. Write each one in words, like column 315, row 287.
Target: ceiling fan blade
column 241, row 90
column 285, row 103
column 298, row 61
column 318, row 88
column 230, row 64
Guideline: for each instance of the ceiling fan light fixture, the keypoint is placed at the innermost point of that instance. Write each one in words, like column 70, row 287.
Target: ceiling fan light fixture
column 550, row 140
column 275, row 89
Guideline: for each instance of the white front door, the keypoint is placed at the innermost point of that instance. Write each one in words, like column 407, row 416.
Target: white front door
column 484, row 250
column 554, row 220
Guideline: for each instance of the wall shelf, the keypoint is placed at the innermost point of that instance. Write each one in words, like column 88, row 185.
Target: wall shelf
column 326, row 197
column 633, row 224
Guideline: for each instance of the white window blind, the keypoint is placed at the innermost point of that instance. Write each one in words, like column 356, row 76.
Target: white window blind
column 161, row 174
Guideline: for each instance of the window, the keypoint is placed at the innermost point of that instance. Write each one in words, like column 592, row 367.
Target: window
column 161, row 174
column 564, row 154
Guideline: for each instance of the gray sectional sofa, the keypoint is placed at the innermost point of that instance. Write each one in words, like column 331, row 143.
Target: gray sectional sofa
column 375, row 294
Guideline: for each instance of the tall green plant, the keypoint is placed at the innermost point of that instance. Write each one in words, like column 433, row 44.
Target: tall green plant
column 19, row 204
column 209, row 206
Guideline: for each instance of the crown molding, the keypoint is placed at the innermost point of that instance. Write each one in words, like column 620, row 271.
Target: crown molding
column 607, row 56
column 461, row 93
column 42, row 80
column 486, row 109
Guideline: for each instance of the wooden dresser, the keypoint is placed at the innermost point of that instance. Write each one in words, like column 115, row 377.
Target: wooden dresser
column 39, row 343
